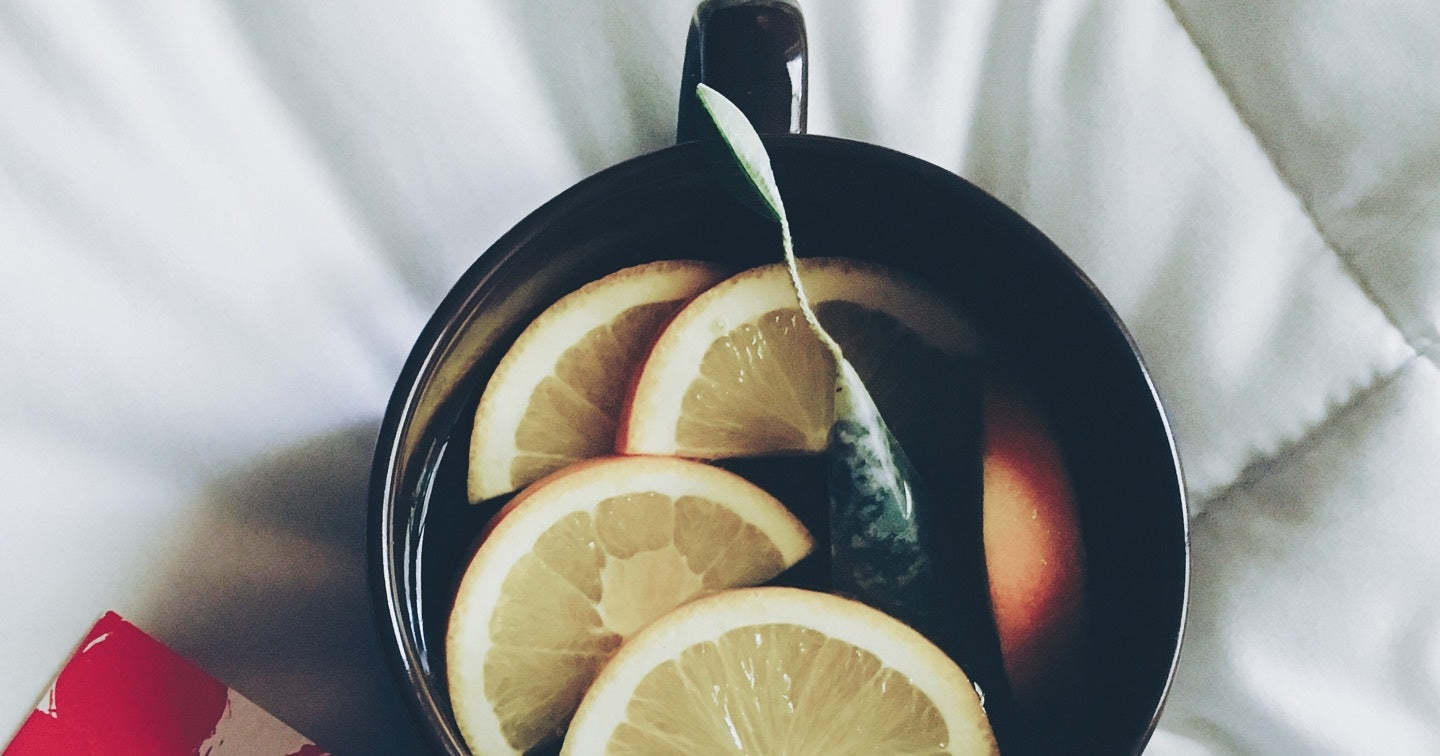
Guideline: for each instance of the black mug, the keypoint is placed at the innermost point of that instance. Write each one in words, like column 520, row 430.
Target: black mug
column 1035, row 310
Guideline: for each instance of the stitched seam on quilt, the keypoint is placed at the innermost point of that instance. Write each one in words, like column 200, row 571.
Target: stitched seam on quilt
column 1261, row 464
column 1351, row 272
column 1263, row 460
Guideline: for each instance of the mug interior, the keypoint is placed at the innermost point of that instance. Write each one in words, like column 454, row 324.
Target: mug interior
column 1035, row 312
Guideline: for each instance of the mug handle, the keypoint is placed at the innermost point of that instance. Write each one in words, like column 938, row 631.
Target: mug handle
column 753, row 52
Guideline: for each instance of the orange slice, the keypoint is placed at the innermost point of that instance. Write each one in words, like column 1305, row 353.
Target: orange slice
column 584, row 558
column 779, row 670
column 1034, row 549
column 556, row 395
column 737, row 373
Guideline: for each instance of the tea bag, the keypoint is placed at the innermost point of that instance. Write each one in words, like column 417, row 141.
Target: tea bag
column 884, row 545
column 876, row 499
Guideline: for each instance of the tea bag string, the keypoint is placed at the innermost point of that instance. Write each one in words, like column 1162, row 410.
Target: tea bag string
column 806, row 311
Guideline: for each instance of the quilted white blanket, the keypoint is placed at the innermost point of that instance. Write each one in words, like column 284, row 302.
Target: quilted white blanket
column 222, row 225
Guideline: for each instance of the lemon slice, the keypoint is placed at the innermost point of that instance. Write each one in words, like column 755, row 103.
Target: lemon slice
column 582, row 559
column 556, row 395
column 738, row 373
column 779, row 671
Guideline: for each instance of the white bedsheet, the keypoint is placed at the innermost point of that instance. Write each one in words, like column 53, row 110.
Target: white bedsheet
column 222, row 224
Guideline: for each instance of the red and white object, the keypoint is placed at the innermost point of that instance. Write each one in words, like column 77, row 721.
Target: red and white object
column 124, row 693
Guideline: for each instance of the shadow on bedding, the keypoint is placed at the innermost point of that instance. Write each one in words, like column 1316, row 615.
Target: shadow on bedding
column 268, row 592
